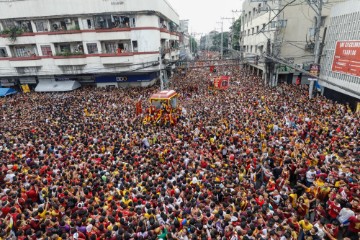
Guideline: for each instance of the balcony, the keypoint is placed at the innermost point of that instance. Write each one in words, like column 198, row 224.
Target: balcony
column 64, row 24
column 113, row 21
column 24, row 56
column 71, row 53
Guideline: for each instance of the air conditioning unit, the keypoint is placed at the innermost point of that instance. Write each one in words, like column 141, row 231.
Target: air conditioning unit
column 310, row 47
column 55, row 26
column 68, row 21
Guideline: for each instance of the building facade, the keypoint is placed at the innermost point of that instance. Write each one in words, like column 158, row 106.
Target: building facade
column 340, row 65
column 102, row 42
column 291, row 34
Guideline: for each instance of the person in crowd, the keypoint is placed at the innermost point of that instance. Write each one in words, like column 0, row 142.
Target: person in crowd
column 250, row 162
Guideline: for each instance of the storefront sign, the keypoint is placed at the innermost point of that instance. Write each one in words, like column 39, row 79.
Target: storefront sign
column 347, row 58
column 127, row 78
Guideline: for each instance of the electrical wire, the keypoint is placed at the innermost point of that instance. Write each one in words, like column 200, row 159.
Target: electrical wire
column 263, row 28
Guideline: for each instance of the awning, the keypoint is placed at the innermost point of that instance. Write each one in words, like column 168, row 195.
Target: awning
column 54, row 86
column 7, row 91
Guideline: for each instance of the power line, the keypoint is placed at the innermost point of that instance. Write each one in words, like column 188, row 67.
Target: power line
column 263, row 28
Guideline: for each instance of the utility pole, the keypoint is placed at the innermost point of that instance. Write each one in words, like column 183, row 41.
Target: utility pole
column 318, row 10
column 190, row 40
column 277, row 44
column 268, row 64
column 161, row 69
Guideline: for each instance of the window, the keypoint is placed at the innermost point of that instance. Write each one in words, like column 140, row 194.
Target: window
column 261, row 49
column 46, row 50
column 135, row 46
column 3, row 52
column 89, row 23
column 257, row 29
column 132, row 22
column 8, row 24
column 252, row 31
column 22, row 51
column 41, row 26
column 92, row 48
column 64, row 48
column 111, row 47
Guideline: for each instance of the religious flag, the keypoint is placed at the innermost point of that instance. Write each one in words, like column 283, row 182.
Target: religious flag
column 25, row 88
column 138, row 107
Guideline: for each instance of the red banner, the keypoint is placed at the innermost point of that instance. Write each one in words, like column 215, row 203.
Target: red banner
column 138, row 108
column 347, row 58
column 212, row 68
column 222, row 82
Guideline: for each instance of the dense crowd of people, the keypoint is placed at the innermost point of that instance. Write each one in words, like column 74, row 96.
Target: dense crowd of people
column 251, row 162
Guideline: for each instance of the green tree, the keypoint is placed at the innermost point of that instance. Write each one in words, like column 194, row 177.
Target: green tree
column 217, row 42
column 193, row 45
column 235, row 31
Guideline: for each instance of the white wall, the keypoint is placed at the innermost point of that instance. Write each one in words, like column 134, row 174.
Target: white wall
column 43, row 8
column 344, row 24
column 146, row 33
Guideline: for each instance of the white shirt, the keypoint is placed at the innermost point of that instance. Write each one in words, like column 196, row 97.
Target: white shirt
column 9, row 177
column 345, row 214
column 320, row 232
column 310, row 176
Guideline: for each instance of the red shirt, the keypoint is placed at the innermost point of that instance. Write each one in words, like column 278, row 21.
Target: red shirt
column 32, row 194
column 5, row 210
column 354, row 225
column 334, row 209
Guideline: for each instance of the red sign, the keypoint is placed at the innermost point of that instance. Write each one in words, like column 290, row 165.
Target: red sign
column 347, row 58
column 222, row 82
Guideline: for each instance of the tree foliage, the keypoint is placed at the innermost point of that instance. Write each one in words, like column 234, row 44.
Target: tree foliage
column 217, row 42
column 235, row 31
column 13, row 32
column 193, row 45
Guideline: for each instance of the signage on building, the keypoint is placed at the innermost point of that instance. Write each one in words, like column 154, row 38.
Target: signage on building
column 285, row 69
column 315, row 69
column 126, row 78
column 347, row 58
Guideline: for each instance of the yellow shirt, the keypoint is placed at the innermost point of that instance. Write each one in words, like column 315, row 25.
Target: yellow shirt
column 293, row 199
column 43, row 214
column 304, row 226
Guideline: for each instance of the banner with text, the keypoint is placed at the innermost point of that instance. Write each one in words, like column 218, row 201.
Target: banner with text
column 347, row 58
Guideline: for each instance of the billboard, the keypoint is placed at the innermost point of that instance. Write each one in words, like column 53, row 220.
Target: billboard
column 347, row 58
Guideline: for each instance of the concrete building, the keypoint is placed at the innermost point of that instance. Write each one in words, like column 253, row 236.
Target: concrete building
column 291, row 35
column 340, row 65
column 102, row 42
column 184, row 40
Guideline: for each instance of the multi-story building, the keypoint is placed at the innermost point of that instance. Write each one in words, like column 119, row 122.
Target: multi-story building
column 107, row 42
column 291, row 34
column 340, row 65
